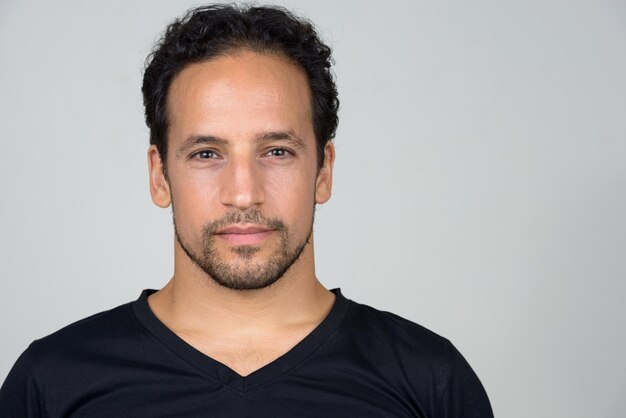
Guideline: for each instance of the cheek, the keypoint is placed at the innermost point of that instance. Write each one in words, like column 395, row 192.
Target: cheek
column 291, row 197
column 191, row 201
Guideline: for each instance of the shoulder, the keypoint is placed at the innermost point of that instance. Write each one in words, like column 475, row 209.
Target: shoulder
column 84, row 336
column 408, row 338
column 416, row 360
column 58, row 363
column 403, row 351
column 399, row 346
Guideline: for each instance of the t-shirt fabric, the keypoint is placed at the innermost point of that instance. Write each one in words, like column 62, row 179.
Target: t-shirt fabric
column 358, row 362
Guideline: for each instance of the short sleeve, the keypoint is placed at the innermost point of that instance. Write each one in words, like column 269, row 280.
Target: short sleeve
column 19, row 395
column 464, row 395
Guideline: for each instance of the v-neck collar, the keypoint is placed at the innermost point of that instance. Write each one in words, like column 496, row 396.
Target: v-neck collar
column 223, row 373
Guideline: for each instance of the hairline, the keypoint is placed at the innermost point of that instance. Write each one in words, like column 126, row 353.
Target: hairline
column 235, row 50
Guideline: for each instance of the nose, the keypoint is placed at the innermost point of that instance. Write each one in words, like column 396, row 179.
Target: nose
column 242, row 183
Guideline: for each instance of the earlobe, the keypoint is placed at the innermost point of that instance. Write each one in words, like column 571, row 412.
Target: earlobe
column 324, row 182
column 159, row 186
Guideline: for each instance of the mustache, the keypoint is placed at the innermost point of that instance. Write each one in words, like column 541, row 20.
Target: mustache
column 234, row 217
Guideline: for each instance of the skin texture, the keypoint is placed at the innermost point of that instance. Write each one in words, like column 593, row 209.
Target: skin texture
column 241, row 151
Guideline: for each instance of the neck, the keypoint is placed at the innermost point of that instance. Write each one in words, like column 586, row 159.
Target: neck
column 192, row 302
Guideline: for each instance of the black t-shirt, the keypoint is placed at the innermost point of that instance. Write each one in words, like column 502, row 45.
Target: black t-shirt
column 359, row 362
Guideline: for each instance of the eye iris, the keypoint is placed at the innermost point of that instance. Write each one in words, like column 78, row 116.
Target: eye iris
column 206, row 154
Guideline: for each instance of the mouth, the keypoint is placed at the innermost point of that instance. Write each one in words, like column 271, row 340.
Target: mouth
column 244, row 235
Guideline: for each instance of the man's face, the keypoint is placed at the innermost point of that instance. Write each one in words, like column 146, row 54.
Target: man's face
column 241, row 167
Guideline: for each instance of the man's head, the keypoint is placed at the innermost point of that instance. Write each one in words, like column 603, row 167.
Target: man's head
column 242, row 108
column 211, row 31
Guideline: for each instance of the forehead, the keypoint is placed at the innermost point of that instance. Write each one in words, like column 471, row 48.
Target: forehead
column 239, row 95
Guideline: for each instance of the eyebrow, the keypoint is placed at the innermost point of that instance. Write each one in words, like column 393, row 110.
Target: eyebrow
column 195, row 140
column 287, row 136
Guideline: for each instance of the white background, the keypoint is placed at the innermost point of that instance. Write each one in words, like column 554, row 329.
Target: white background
column 480, row 184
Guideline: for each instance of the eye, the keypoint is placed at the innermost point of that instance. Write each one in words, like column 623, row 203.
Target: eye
column 204, row 155
column 278, row 152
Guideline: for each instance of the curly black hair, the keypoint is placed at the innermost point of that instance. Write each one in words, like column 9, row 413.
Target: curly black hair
column 209, row 31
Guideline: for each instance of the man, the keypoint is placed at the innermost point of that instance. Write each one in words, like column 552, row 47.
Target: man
column 242, row 108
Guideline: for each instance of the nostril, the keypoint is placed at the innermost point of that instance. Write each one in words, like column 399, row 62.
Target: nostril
column 242, row 193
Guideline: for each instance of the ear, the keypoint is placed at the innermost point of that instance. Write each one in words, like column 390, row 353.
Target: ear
column 324, row 181
column 159, row 187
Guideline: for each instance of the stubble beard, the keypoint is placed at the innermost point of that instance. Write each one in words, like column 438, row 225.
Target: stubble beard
column 245, row 274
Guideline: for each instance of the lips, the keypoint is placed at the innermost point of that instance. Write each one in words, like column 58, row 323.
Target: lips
column 238, row 230
column 239, row 235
